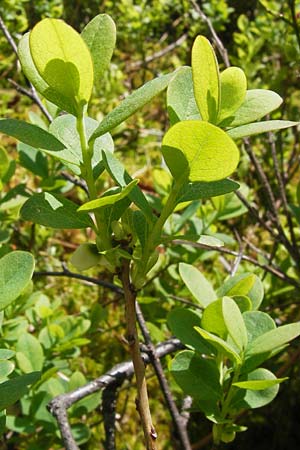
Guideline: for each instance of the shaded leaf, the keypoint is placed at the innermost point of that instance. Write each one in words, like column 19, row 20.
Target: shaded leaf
column 12, row 390
column 220, row 345
column 201, row 189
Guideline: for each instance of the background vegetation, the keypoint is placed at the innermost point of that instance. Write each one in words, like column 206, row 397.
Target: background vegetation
column 77, row 328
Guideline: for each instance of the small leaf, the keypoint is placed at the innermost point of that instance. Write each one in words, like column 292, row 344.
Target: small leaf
column 109, row 199
column 197, row 284
column 132, row 103
column 30, row 355
column 234, row 322
column 180, row 97
column 259, row 385
column 273, row 339
column 141, row 227
column 233, row 91
column 54, row 211
column 4, row 162
column 181, row 322
column 196, row 376
column 16, row 269
column 63, row 61
column 210, row 240
column 100, row 37
column 85, row 256
column 6, row 368
column 260, row 127
column 199, row 151
column 213, row 320
column 206, row 79
column 258, row 103
column 222, row 346
column 244, row 284
column 12, row 390
column 30, row 134
column 6, row 353
column 33, row 160
column 201, row 189
column 257, row 324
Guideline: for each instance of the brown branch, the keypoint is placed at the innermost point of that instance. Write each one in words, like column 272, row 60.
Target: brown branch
column 155, row 361
column 138, row 363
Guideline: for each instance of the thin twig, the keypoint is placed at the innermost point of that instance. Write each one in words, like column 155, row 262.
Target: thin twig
column 59, row 405
column 29, row 93
column 219, row 44
column 294, row 20
column 155, row 361
column 109, row 402
column 139, row 366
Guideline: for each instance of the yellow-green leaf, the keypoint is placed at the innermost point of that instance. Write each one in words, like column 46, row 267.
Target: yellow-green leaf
column 233, row 91
column 206, row 79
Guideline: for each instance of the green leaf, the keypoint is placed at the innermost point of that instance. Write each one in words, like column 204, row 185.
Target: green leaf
column 273, row 339
column 6, row 353
column 122, row 178
column 6, row 368
column 210, row 240
column 196, row 376
column 206, row 79
column 220, row 345
column 30, row 134
column 16, row 269
column 259, row 385
column 63, row 61
column 4, row 162
column 257, row 324
column 85, row 256
column 234, row 322
column 30, row 355
column 33, row 160
column 258, row 103
column 140, row 226
column 34, row 77
column 201, row 189
column 109, row 199
column 213, row 320
column 256, row 398
column 246, row 284
column 199, row 151
column 181, row 101
column 100, row 37
column 54, row 211
column 233, row 91
column 181, row 322
column 12, row 390
column 132, row 103
column 260, row 127
column 197, row 284
column 64, row 128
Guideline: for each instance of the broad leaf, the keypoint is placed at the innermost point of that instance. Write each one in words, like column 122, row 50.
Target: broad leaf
column 54, row 211
column 6, row 353
column 6, row 368
column 30, row 134
column 85, row 256
column 206, row 79
column 12, row 390
column 257, row 324
column 260, row 127
column 234, row 322
column 213, row 320
column 197, row 284
column 201, row 189
column 100, row 37
column 199, row 151
column 30, row 355
column 63, row 61
column 109, row 199
column 132, row 103
column 16, row 269
column 257, row 104
column 220, row 345
column 244, row 284
column 233, row 91
column 180, row 97
column 181, row 322
column 273, row 339
column 196, row 376
column 33, row 160
column 35, row 78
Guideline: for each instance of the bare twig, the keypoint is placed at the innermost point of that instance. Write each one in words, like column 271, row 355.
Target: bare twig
column 155, row 361
column 139, row 366
column 59, row 405
column 219, row 44
column 109, row 402
column 294, row 20
column 29, row 93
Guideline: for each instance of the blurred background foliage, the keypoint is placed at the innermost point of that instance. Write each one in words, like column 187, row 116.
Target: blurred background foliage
column 153, row 37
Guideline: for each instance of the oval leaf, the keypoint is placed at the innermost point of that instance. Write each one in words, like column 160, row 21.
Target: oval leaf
column 30, row 355
column 199, row 151
column 197, row 284
column 54, row 211
column 257, row 324
column 213, row 321
column 12, row 390
column 63, row 61
column 16, row 270
column 234, row 322
column 259, row 385
column 206, row 79
column 247, row 284
column 260, row 127
column 222, row 346
column 233, row 91
column 202, row 189
column 100, row 37
column 273, row 339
